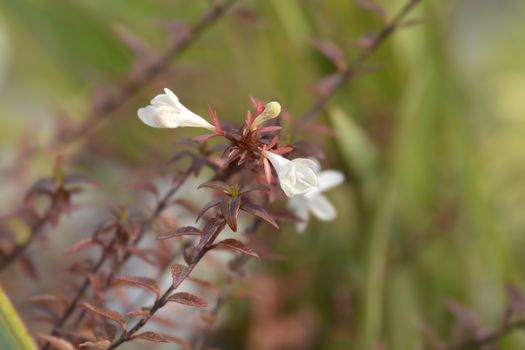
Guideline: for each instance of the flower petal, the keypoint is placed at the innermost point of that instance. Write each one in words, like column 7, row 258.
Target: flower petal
column 299, row 206
column 172, row 97
column 329, row 179
column 147, row 115
column 307, row 163
column 279, row 162
column 162, row 101
column 322, row 208
column 296, row 176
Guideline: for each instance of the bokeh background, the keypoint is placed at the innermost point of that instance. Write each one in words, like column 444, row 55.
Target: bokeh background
column 431, row 139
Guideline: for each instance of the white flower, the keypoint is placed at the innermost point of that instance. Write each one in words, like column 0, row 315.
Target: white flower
column 271, row 110
column 314, row 201
column 296, row 176
column 165, row 111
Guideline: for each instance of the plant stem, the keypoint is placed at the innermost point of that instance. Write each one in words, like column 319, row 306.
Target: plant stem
column 489, row 338
column 347, row 74
column 161, row 205
column 135, row 83
column 36, row 229
column 127, row 336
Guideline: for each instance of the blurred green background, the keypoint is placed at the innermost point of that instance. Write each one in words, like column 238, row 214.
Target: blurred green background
column 432, row 142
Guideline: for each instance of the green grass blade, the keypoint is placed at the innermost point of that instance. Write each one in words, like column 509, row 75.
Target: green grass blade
column 13, row 333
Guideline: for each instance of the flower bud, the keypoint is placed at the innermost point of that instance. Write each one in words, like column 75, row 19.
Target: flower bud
column 271, row 110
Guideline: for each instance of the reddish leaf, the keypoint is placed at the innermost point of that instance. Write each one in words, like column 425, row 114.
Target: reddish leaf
column 331, row 51
column 42, row 186
column 187, row 299
column 273, row 142
column 177, row 272
column 210, row 231
column 253, row 187
column 515, row 306
column 205, row 137
column 95, row 345
column 138, row 46
column 81, row 245
column 267, row 170
column 213, row 203
column 107, row 313
column 106, row 330
column 147, row 186
column 249, row 118
column 49, row 298
column 216, row 185
column 466, row 322
column 141, row 282
column 282, row 150
column 259, row 212
column 145, row 254
column 230, row 211
column 181, row 231
column 258, row 106
column 236, row 245
column 215, row 121
column 28, row 266
column 95, row 283
column 326, row 85
column 204, row 284
column 180, row 155
column 141, row 313
column 286, row 216
column 249, row 16
column 59, row 344
column 367, row 42
column 177, row 180
column 269, row 129
column 78, row 179
column 372, row 6
column 160, row 338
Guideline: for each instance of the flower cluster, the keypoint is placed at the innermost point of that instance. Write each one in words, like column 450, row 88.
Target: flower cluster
column 256, row 147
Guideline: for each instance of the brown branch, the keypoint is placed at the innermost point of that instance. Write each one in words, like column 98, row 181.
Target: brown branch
column 134, row 84
column 200, row 342
column 489, row 338
column 36, row 229
column 348, row 73
column 199, row 254
column 161, row 205
column 19, row 249
column 202, row 339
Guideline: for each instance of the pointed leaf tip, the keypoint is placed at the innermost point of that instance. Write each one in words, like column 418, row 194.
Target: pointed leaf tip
column 162, row 338
column 140, row 282
column 177, row 271
column 188, row 299
column 107, row 313
column 237, row 246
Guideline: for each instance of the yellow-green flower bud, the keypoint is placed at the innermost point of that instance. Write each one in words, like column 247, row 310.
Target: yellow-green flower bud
column 271, row 110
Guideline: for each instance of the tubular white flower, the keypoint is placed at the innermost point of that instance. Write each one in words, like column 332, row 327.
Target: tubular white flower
column 165, row 111
column 296, row 176
column 314, row 201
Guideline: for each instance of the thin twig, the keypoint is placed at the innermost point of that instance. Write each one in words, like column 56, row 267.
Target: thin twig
column 161, row 205
column 135, row 83
column 201, row 341
column 36, row 229
column 347, row 74
column 127, row 336
column 489, row 338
